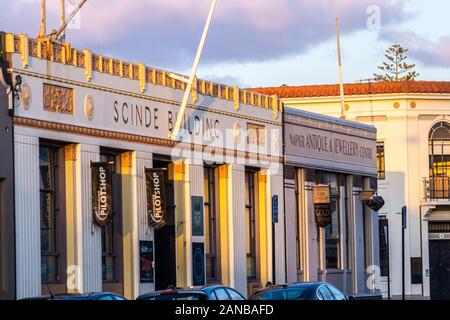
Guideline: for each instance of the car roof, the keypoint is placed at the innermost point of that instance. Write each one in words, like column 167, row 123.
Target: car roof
column 291, row 285
column 172, row 291
column 80, row 296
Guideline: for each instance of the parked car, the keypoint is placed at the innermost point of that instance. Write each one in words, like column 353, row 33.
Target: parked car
column 300, row 291
column 175, row 294
column 87, row 296
column 222, row 293
column 217, row 292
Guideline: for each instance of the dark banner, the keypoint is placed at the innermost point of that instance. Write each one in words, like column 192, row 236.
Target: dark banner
column 197, row 216
column 156, row 197
column 323, row 214
column 198, row 264
column 102, row 173
column 146, row 261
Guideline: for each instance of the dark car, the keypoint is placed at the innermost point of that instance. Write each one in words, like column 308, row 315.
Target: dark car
column 87, row 296
column 222, row 293
column 175, row 294
column 300, row 291
column 206, row 293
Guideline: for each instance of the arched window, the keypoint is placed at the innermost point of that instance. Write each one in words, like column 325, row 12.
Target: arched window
column 439, row 151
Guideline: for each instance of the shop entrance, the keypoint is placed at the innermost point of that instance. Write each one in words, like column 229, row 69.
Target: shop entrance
column 440, row 269
column 165, row 252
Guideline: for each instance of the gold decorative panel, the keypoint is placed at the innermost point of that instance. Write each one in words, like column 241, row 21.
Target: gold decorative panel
column 58, row 99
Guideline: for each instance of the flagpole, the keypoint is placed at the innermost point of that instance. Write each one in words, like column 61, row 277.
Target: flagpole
column 43, row 31
column 63, row 18
column 341, row 81
column 176, row 129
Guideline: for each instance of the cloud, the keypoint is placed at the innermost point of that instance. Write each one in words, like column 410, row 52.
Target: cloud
column 434, row 53
column 166, row 32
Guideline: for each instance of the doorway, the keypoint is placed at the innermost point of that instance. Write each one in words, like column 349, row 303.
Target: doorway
column 440, row 269
column 165, row 250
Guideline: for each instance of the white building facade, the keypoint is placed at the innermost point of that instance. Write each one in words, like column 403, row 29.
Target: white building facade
column 74, row 110
column 412, row 120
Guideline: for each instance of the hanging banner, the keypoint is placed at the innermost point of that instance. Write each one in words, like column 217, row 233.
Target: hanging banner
column 156, row 197
column 322, row 208
column 197, row 216
column 102, row 173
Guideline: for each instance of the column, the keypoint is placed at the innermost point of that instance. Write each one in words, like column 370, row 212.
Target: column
column 27, row 217
column 146, row 233
column 310, row 236
column 290, row 214
column 236, row 227
column 130, row 225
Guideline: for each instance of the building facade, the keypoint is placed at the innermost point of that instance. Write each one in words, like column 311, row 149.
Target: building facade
column 323, row 153
column 412, row 119
column 87, row 130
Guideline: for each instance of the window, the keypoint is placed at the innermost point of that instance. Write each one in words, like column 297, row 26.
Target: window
column 325, row 293
column 221, row 294
column 211, row 226
column 381, row 160
column 439, row 151
column 416, row 270
column 336, row 293
column 332, row 238
column 111, row 240
column 50, row 215
column 250, row 224
column 234, row 295
column 384, row 246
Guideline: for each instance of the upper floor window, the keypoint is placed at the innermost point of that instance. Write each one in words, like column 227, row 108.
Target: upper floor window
column 439, row 154
column 381, row 160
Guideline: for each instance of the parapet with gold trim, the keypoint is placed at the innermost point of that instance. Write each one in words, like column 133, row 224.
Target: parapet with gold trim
column 65, row 54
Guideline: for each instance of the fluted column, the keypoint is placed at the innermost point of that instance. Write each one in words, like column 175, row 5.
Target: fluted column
column 27, row 209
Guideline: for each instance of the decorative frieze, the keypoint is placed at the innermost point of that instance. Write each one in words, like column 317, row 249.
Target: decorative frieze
column 58, row 99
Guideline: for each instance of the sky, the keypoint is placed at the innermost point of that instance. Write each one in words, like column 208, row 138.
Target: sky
column 254, row 43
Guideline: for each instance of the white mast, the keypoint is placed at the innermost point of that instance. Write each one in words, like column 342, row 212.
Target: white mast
column 176, row 129
column 341, row 81
column 63, row 19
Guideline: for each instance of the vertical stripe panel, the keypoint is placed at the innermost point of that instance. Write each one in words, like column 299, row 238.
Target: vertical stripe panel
column 28, row 244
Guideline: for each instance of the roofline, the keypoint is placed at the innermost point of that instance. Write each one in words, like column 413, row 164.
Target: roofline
column 329, row 119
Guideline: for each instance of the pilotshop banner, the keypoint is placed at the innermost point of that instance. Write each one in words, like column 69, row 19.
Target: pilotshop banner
column 156, row 197
column 102, row 176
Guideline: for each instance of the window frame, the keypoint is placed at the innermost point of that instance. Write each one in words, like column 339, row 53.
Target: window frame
column 381, row 160
column 57, row 190
column 251, row 186
column 116, row 224
column 212, row 203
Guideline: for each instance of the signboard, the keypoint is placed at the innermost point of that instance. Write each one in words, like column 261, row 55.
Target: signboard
column 320, row 144
column 146, row 261
column 321, row 194
column 156, row 197
column 198, row 264
column 275, row 208
column 322, row 209
column 197, row 216
column 102, row 192
column 404, row 216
